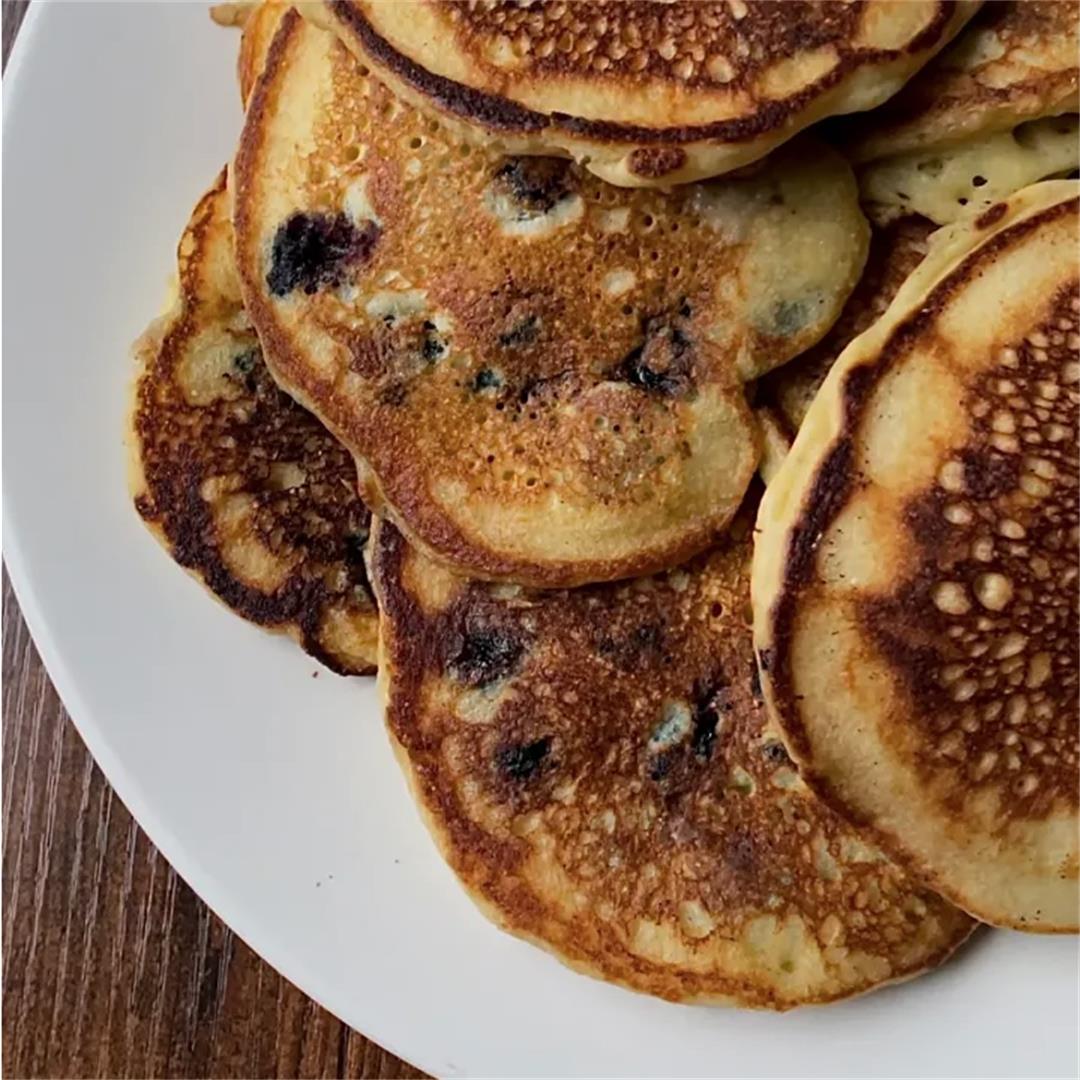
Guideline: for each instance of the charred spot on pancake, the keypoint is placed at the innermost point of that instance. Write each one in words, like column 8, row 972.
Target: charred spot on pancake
column 485, row 654
column 711, row 701
column 432, row 346
column 353, row 547
column 412, row 345
column 663, row 363
column 925, row 517
column 989, row 474
column 992, row 215
column 313, row 251
column 486, row 379
column 659, row 766
column 775, row 753
column 652, row 162
column 533, row 184
column 299, row 486
column 522, row 761
column 523, row 332
column 393, row 393
column 632, row 649
column 243, row 371
column 705, row 724
column 397, row 348
column 244, row 363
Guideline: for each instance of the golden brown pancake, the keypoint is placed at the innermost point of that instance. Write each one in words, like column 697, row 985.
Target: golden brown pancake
column 541, row 374
column 907, row 197
column 643, row 93
column 944, row 183
column 1017, row 60
column 895, row 250
column 243, row 487
column 597, row 768
column 915, row 575
column 260, row 26
column 233, row 12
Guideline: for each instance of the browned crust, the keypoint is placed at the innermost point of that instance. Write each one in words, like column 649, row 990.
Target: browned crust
column 935, row 91
column 397, row 495
column 1060, row 88
column 501, row 115
column 169, row 501
column 490, row 868
column 251, row 48
column 826, row 495
column 991, row 216
column 259, row 31
column 656, row 161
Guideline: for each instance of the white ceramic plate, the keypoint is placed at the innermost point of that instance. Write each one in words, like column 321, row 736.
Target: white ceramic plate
column 275, row 794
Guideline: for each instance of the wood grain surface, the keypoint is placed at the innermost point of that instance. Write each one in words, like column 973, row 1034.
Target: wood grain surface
column 112, row 966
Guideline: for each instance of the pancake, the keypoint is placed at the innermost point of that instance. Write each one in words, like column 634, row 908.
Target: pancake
column 895, row 250
column 260, row 26
column 643, row 94
column 944, row 183
column 245, row 489
column 542, row 374
column 1018, row 60
column 906, row 197
column 915, row 577
column 596, row 767
column 233, row 12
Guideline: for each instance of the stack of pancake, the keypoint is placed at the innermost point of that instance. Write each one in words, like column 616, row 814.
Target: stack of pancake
column 703, row 488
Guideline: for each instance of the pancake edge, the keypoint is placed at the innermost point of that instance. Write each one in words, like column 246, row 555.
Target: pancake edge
column 633, row 155
column 800, row 502
column 144, row 350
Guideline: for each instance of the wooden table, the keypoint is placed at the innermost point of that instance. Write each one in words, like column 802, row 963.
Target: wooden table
column 112, row 966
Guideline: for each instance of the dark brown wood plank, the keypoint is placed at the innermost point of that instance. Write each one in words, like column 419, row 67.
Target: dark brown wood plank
column 112, row 966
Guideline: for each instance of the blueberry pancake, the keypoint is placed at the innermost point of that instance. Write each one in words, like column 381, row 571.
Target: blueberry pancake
column 896, row 249
column 642, row 93
column 541, row 375
column 907, row 197
column 597, row 768
column 243, row 487
column 1016, row 61
column 915, row 572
